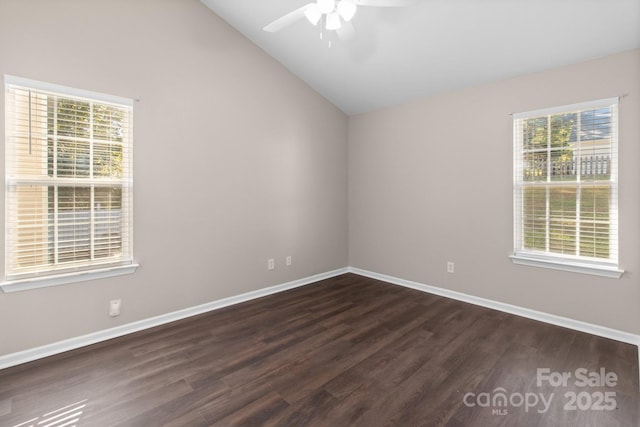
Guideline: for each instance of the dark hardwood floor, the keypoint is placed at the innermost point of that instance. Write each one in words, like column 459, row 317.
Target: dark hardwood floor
column 348, row 351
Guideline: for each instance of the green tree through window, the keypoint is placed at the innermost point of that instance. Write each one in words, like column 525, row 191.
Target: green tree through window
column 565, row 193
column 69, row 169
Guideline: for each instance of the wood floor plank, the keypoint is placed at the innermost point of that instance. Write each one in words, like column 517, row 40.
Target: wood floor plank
column 261, row 411
column 344, row 351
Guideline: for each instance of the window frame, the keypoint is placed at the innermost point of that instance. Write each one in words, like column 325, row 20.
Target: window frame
column 92, row 268
column 548, row 259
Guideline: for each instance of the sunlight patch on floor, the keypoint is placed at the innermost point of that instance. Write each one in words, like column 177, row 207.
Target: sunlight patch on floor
column 67, row 416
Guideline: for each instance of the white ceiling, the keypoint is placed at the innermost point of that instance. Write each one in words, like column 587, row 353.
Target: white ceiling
column 435, row 46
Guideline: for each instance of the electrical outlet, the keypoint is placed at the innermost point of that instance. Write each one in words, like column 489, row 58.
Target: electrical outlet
column 288, row 260
column 451, row 267
column 114, row 307
column 271, row 264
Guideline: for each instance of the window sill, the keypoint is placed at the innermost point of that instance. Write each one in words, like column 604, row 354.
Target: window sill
column 575, row 267
column 63, row 279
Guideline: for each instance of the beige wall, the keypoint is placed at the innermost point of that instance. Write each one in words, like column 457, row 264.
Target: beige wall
column 431, row 182
column 235, row 159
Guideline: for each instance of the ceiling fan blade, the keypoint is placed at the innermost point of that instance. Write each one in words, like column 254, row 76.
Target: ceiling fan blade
column 346, row 32
column 384, row 3
column 288, row 19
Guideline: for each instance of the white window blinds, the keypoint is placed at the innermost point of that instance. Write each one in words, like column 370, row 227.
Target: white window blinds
column 68, row 180
column 565, row 184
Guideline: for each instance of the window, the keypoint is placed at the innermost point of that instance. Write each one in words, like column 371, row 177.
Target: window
column 68, row 182
column 565, row 188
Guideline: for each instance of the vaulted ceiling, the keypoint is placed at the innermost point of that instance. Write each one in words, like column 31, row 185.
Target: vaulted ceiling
column 434, row 46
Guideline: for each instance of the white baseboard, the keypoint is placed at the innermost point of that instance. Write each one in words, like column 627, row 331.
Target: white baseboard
column 29, row 355
column 565, row 322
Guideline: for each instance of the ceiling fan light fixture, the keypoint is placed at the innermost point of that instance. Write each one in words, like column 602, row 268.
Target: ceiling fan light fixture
column 313, row 14
column 333, row 21
column 326, row 6
column 346, row 9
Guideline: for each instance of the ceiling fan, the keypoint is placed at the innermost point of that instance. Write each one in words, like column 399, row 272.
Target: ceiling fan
column 333, row 15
